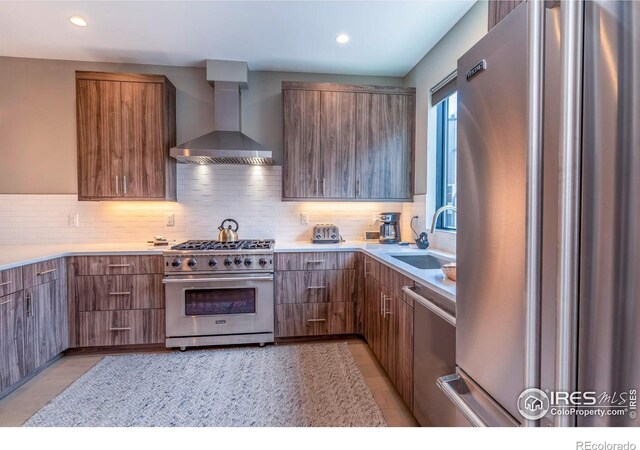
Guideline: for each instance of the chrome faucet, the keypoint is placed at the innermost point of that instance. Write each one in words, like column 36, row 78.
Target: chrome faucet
column 437, row 214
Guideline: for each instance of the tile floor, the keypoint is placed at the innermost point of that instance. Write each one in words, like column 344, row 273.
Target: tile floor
column 20, row 405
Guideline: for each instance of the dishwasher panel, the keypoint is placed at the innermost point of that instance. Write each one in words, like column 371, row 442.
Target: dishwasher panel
column 434, row 344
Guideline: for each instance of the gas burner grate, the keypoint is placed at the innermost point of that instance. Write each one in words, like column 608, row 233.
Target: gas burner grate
column 253, row 244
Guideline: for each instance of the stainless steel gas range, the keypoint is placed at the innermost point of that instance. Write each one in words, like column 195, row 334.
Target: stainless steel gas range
column 219, row 293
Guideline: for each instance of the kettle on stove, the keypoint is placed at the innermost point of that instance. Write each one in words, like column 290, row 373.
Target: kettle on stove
column 228, row 234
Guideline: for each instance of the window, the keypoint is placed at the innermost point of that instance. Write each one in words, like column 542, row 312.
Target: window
column 447, row 156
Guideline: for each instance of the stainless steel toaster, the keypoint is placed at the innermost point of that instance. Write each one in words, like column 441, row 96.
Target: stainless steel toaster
column 326, row 233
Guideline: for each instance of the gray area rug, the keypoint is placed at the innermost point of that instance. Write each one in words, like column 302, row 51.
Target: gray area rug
column 286, row 385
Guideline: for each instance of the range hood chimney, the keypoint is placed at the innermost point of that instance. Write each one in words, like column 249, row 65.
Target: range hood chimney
column 226, row 144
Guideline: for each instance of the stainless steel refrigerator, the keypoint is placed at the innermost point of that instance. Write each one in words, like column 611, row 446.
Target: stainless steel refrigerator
column 494, row 188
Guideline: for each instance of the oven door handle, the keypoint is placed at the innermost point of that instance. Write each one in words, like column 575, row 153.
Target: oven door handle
column 214, row 280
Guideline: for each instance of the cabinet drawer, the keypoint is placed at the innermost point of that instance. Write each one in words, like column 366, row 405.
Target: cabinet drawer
column 106, row 328
column 301, row 286
column 43, row 272
column 315, row 261
column 10, row 281
column 313, row 319
column 118, row 265
column 113, row 292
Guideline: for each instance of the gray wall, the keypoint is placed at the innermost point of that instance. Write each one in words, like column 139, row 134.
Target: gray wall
column 435, row 66
column 38, row 122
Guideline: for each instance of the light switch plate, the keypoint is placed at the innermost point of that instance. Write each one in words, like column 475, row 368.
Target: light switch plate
column 74, row 220
column 304, row 218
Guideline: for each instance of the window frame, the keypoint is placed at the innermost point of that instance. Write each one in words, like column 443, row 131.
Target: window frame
column 441, row 146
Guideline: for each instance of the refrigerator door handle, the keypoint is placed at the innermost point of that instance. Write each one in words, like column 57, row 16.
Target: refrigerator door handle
column 445, row 384
column 478, row 407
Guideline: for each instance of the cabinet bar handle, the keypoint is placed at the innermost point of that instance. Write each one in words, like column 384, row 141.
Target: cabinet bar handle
column 317, row 191
column 316, row 287
column 5, row 302
column 357, row 187
column 120, row 329
column 316, row 261
column 119, row 293
column 119, row 265
column 6, row 283
column 365, row 267
column 323, row 183
column 117, row 185
column 29, row 308
column 124, row 184
column 317, row 320
column 385, row 312
column 44, row 272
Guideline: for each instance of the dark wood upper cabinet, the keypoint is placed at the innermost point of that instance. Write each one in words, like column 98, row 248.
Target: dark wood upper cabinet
column 99, row 115
column 302, row 169
column 126, row 126
column 498, row 10
column 348, row 142
column 384, row 151
column 338, row 144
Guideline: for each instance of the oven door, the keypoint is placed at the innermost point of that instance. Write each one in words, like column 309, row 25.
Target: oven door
column 214, row 305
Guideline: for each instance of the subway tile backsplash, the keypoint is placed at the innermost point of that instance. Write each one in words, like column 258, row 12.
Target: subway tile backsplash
column 206, row 196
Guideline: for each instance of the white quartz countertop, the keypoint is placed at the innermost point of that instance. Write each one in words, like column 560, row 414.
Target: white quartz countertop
column 431, row 278
column 19, row 255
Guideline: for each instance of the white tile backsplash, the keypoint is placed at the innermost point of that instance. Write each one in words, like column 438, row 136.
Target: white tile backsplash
column 206, row 196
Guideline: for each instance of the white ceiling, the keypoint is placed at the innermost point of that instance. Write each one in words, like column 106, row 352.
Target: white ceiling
column 387, row 37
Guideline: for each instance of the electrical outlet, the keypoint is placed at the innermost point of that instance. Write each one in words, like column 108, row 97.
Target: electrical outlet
column 74, row 220
column 171, row 220
column 304, row 218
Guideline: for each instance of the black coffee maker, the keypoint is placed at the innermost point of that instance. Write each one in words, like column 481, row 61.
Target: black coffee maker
column 389, row 227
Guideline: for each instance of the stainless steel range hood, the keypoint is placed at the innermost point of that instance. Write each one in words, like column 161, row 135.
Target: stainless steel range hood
column 226, row 144
column 222, row 147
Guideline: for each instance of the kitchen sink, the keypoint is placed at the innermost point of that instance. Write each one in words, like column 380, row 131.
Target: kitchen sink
column 422, row 261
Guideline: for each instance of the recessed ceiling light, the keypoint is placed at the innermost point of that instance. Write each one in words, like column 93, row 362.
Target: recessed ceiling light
column 342, row 38
column 78, row 21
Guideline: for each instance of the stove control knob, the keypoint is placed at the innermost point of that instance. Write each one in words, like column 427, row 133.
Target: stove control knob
column 263, row 262
column 238, row 260
column 176, row 262
column 228, row 262
column 213, row 262
column 248, row 262
column 191, row 263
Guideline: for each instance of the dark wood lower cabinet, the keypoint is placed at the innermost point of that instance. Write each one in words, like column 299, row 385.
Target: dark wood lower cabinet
column 388, row 329
column 46, row 332
column 116, row 300
column 316, row 293
column 11, row 339
column 402, row 347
